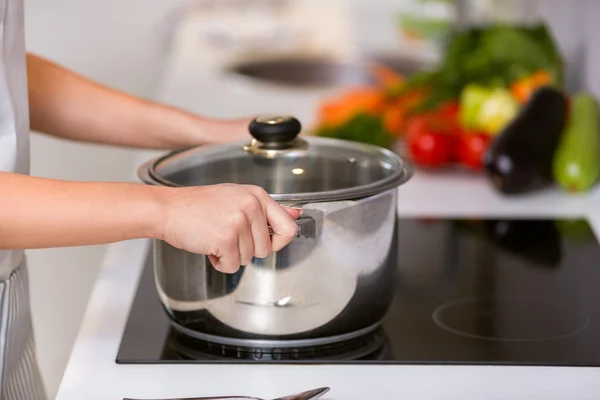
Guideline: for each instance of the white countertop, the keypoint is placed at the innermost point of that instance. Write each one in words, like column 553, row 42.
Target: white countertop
column 93, row 374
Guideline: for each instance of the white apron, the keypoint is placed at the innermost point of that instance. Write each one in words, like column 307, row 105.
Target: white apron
column 19, row 375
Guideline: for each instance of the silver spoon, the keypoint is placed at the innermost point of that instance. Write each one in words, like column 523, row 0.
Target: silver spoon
column 308, row 395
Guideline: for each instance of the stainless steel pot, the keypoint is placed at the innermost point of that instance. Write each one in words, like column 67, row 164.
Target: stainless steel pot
column 334, row 280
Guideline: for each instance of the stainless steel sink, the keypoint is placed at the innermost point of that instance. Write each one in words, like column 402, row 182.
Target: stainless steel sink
column 320, row 72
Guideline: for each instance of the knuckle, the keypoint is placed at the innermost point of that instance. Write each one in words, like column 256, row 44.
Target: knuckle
column 258, row 191
column 251, row 203
column 238, row 220
column 232, row 240
column 227, row 240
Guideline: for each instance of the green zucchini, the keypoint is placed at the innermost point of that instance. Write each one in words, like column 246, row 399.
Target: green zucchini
column 576, row 166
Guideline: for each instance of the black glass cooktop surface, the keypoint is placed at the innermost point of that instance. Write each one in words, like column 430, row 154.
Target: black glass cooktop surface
column 468, row 291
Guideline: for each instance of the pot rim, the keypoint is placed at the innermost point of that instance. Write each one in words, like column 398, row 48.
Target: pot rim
column 401, row 174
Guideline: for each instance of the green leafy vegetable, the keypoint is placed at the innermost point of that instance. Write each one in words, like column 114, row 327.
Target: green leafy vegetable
column 494, row 56
column 361, row 128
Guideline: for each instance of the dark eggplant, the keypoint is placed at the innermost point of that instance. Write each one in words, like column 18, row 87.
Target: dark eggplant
column 537, row 241
column 520, row 158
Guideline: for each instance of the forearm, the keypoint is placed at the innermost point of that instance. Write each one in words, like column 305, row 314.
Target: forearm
column 41, row 213
column 66, row 105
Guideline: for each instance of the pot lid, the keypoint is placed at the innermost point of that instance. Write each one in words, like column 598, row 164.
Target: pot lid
column 288, row 167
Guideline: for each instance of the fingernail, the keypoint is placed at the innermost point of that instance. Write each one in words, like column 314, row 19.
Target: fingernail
column 300, row 210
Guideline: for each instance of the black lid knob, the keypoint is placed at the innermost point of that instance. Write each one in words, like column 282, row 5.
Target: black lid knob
column 275, row 130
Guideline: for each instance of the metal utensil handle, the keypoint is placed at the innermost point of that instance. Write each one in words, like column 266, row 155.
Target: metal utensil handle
column 204, row 398
column 306, row 228
column 308, row 395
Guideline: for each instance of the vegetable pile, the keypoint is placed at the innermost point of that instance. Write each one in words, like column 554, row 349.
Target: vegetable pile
column 368, row 114
column 496, row 97
column 449, row 115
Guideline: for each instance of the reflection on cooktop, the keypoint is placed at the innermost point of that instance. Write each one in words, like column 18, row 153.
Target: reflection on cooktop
column 468, row 291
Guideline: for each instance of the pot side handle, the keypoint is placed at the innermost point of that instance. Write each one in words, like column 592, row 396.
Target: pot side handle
column 307, row 227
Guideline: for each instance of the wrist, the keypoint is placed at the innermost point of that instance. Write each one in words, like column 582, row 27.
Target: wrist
column 156, row 204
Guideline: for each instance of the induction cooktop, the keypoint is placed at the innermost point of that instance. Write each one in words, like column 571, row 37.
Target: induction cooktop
column 468, row 291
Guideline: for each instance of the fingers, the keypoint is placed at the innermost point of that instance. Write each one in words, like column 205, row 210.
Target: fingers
column 246, row 245
column 294, row 212
column 247, row 234
column 282, row 220
column 261, row 236
column 227, row 258
column 255, row 214
column 214, row 260
column 282, row 223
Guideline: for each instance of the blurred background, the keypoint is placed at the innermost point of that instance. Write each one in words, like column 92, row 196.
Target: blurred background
column 176, row 51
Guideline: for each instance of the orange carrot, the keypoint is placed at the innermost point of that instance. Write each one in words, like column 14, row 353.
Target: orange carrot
column 385, row 76
column 394, row 120
column 333, row 113
column 523, row 88
column 365, row 99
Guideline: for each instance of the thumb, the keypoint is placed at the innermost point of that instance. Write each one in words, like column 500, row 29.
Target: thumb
column 294, row 212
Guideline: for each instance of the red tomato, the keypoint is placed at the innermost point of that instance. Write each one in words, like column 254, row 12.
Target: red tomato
column 471, row 149
column 449, row 111
column 429, row 148
column 443, row 119
column 416, row 125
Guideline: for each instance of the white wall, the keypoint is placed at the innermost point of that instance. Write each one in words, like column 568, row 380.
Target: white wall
column 114, row 42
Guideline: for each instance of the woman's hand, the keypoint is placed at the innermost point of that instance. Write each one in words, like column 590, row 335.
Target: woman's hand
column 69, row 106
column 228, row 223
column 221, row 131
